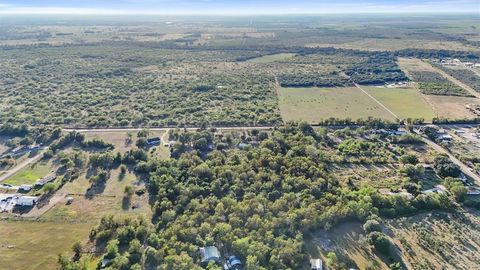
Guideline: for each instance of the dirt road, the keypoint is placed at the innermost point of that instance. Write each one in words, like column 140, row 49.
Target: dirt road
column 457, row 82
column 165, row 136
column 377, row 101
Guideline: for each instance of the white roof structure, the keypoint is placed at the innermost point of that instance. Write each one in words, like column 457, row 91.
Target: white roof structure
column 27, row 200
column 316, row 264
column 25, row 187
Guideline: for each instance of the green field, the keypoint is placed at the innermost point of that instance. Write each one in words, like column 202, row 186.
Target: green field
column 31, row 173
column 314, row 104
column 404, row 102
column 36, row 245
column 271, row 58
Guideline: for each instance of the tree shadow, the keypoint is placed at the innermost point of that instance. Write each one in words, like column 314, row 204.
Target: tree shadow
column 126, row 202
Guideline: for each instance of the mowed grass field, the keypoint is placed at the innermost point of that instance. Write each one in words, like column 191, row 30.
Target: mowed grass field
column 31, row 173
column 404, row 102
column 36, row 245
column 314, row 104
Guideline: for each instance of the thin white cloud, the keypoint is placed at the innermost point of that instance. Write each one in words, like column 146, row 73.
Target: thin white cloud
column 59, row 10
column 253, row 8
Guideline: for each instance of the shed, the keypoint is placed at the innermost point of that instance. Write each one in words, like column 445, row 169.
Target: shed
column 427, row 167
column 105, row 262
column 27, row 201
column 209, row 254
column 396, row 132
column 46, row 179
column 242, row 145
column 153, row 141
column 69, row 200
column 445, row 137
column 25, row 187
column 473, row 191
column 316, row 264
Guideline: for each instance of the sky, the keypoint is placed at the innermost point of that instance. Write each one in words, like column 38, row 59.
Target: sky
column 232, row 7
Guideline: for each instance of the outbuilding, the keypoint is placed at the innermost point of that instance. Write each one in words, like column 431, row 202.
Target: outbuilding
column 27, row 201
column 153, row 141
column 46, row 179
column 316, row 264
column 445, row 137
column 209, row 254
column 25, row 187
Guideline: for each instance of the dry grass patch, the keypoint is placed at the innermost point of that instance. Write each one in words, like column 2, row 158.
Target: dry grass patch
column 438, row 240
column 349, row 243
column 108, row 200
column 451, row 107
column 375, row 44
column 36, row 245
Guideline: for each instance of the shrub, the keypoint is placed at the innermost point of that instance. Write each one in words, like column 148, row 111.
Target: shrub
column 372, row 226
column 380, row 242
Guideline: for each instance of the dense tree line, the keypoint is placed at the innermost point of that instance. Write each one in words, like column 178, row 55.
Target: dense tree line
column 378, row 68
column 257, row 202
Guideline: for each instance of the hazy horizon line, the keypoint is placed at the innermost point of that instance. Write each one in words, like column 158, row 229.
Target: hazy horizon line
column 228, row 14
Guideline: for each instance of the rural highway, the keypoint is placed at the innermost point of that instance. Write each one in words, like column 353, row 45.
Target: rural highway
column 165, row 129
column 20, row 166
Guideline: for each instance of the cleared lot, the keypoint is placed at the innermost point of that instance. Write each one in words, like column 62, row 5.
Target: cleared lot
column 452, row 107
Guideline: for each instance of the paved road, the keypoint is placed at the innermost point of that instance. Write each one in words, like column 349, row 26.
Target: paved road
column 165, row 129
column 22, row 165
column 464, row 168
column 83, row 130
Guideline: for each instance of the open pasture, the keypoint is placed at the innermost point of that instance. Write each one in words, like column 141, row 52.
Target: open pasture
column 36, row 245
column 404, row 102
column 314, row 104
